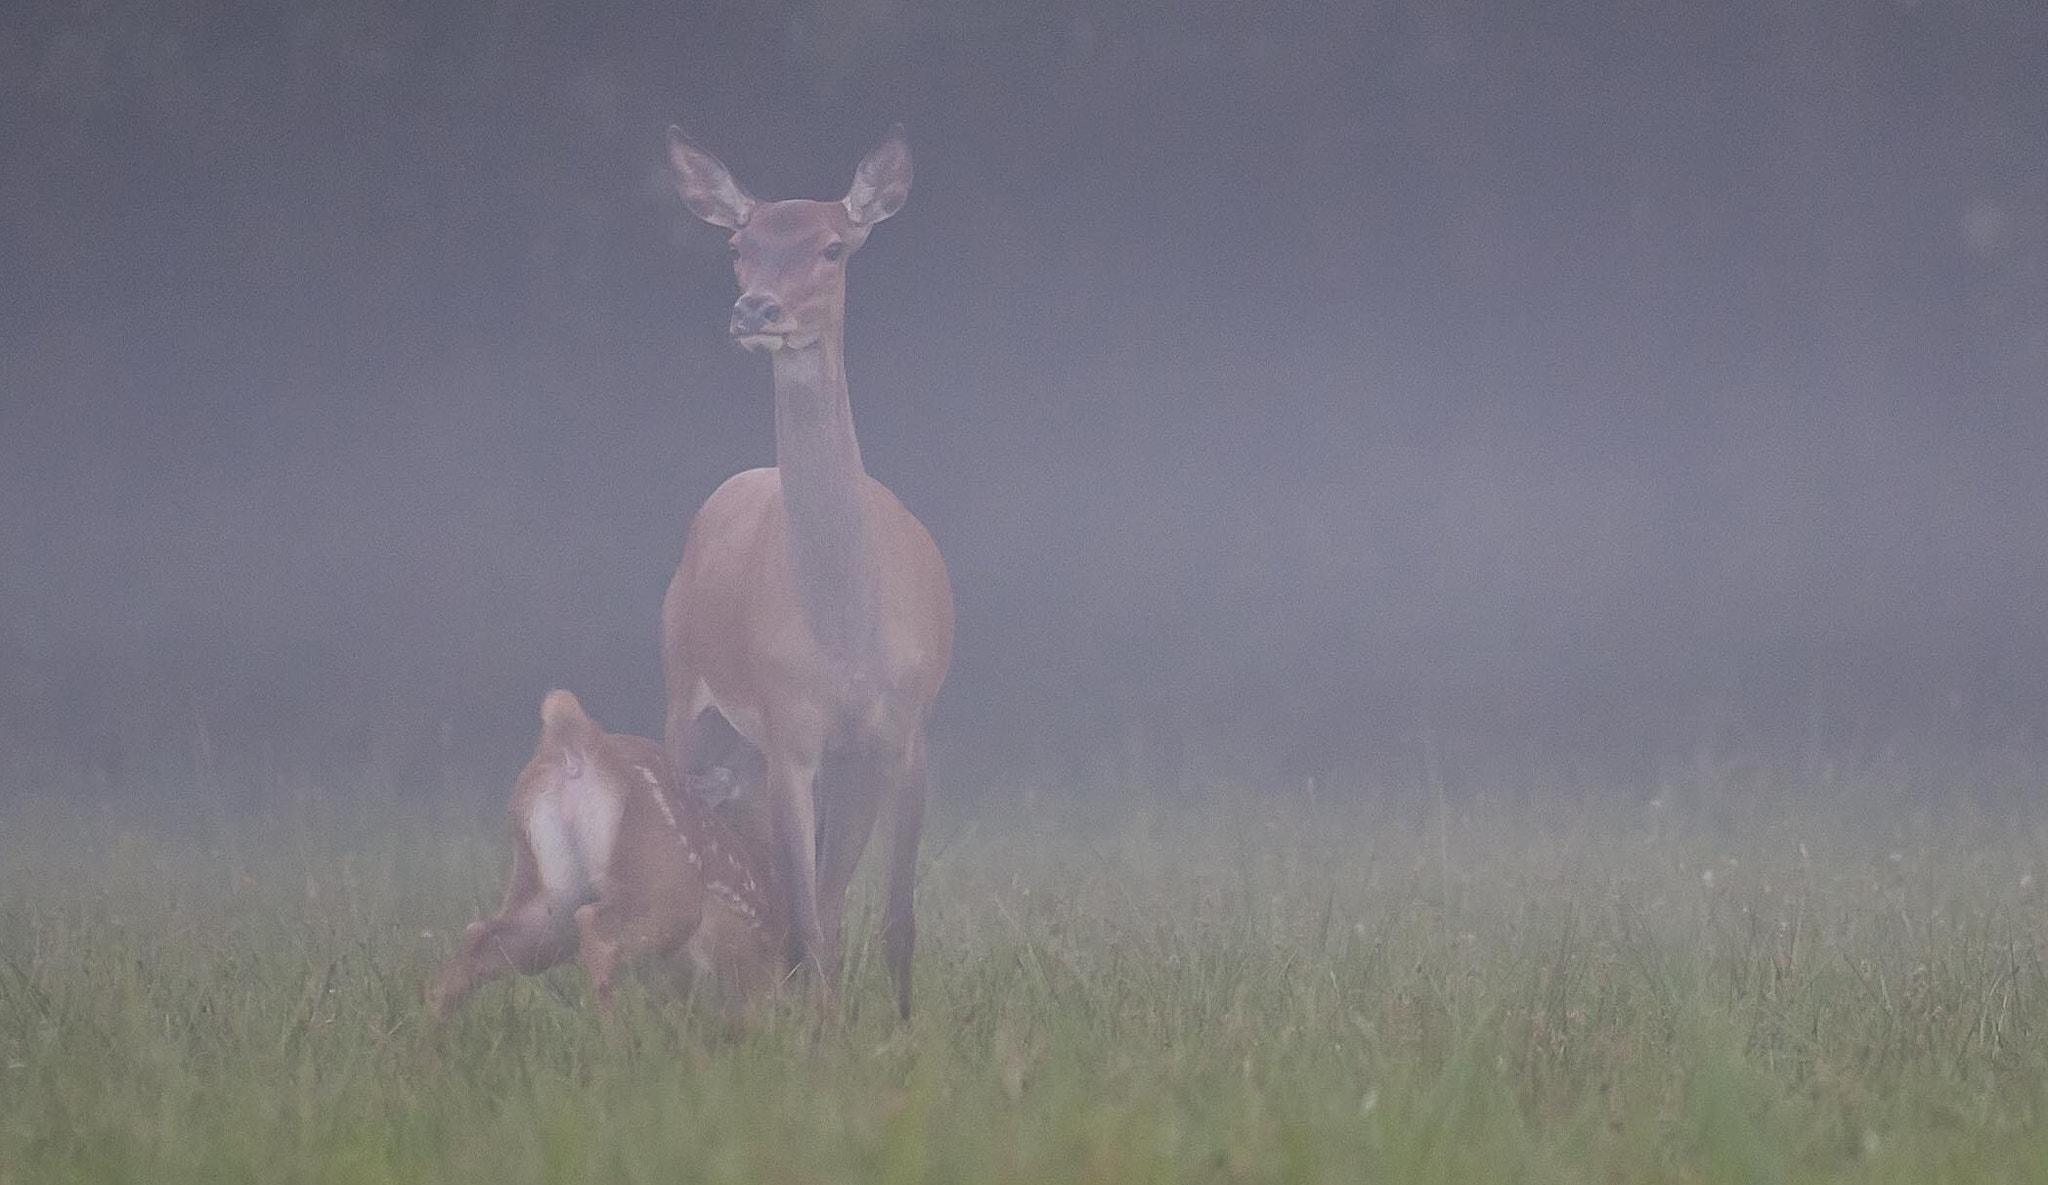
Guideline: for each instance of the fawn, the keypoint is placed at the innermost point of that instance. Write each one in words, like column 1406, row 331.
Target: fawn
column 609, row 863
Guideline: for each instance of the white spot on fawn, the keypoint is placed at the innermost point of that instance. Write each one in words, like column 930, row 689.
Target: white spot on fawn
column 661, row 800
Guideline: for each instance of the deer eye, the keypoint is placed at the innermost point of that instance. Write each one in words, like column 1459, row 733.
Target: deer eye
column 834, row 250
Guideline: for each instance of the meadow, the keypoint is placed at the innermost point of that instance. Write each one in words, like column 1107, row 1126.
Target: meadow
column 1685, row 985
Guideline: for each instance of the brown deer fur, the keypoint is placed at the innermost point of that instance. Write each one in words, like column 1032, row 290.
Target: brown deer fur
column 811, row 614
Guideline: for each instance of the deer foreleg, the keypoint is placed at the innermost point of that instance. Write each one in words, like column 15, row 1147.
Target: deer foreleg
column 791, row 783
column 852, row 788
column 899, row 923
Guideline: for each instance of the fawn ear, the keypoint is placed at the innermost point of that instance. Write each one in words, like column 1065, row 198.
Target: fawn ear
column 706, row 185
column 882, row 182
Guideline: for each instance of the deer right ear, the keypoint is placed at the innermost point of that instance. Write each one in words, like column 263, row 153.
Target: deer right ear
column 706, row 185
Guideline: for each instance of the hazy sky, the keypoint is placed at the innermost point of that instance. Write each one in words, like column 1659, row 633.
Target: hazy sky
column 1279, row 383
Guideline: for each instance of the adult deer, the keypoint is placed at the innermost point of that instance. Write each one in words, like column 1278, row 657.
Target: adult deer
column 608, row 865
column 811, row 617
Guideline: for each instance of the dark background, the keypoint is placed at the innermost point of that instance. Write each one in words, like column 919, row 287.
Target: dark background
column 1292, row 388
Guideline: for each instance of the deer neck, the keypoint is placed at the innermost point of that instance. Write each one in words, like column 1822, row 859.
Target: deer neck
column 822, row 479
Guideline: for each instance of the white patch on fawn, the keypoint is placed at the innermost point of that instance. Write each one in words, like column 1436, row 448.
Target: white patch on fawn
column 572, row 826
column 661, row 801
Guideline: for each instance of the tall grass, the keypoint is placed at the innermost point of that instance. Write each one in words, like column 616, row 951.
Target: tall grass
column 1145, row 992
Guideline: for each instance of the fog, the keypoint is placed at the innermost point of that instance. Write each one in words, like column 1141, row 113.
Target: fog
column 1290, row 391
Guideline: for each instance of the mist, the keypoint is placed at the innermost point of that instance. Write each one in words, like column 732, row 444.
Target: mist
column 1289, row 392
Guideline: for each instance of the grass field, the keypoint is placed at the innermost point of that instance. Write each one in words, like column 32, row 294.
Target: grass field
column 1222, row 992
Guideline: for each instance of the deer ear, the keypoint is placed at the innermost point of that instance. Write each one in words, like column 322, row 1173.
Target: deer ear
column 882, row 182
column 706, row 185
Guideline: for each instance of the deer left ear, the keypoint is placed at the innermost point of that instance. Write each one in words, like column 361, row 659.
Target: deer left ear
column 882, row 182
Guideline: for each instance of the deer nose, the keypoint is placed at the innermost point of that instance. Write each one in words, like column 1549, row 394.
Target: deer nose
column 752, row 314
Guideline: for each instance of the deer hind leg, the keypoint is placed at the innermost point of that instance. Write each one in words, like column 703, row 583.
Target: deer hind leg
column 652, row 913
column 899, row 923
column 529, row 934
column 611, row 933
column 600, row 940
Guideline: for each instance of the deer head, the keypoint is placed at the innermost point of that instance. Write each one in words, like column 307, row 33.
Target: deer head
column 790, row 256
